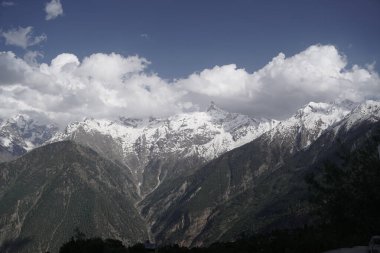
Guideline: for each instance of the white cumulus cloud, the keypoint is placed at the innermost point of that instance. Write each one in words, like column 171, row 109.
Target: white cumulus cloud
column 318, row 73
column 53, row 9
column 100, row 86
column 31, row 57
column 111, row 85
column 22, row 37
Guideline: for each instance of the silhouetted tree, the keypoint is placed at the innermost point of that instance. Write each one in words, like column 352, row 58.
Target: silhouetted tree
column 14, row 245
column 79, row 244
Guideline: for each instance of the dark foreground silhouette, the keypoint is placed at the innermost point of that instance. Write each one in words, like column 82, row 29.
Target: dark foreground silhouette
column 14, row 245
column 309, row 240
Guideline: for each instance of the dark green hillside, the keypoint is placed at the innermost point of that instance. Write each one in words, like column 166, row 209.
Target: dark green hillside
column 53, row 189
column 5, row 155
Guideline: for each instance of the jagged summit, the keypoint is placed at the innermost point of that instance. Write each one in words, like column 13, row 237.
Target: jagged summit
column 20, row 119
column 323, row 108
column 21, row 133
column 213, row 107
column 366, row 111
column 308, row 123
column 327, row 113
column 368, row 107
column 215, row 111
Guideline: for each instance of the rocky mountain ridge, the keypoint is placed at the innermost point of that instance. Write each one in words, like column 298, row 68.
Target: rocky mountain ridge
column 156, row 171
column 254, row 187
column 213, row 132
column 149, row 147
column 158, row 149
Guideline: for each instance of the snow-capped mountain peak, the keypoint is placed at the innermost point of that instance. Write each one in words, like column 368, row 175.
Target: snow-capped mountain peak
column 213, row 109
column 369, row 107
column 147, row 144
column 309, row 122
column 366, row 111
column 21, row 133
column 195, row 135
column 214, row 128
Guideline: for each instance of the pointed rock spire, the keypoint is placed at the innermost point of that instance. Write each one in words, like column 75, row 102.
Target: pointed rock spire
column 213, row 107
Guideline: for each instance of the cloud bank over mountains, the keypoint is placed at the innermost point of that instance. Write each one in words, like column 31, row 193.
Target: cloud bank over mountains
column 316, row 74
column 111, row 85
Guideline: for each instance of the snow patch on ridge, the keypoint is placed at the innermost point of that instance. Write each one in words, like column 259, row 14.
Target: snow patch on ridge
column 206, row 134
column 21, row 133
column 366, row 111
column 312, row 120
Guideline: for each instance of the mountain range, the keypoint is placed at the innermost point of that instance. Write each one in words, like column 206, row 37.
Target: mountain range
column 192, row 179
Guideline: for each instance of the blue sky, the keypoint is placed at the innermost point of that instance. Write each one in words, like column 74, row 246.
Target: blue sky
column 68, row 59
column 180, row 37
